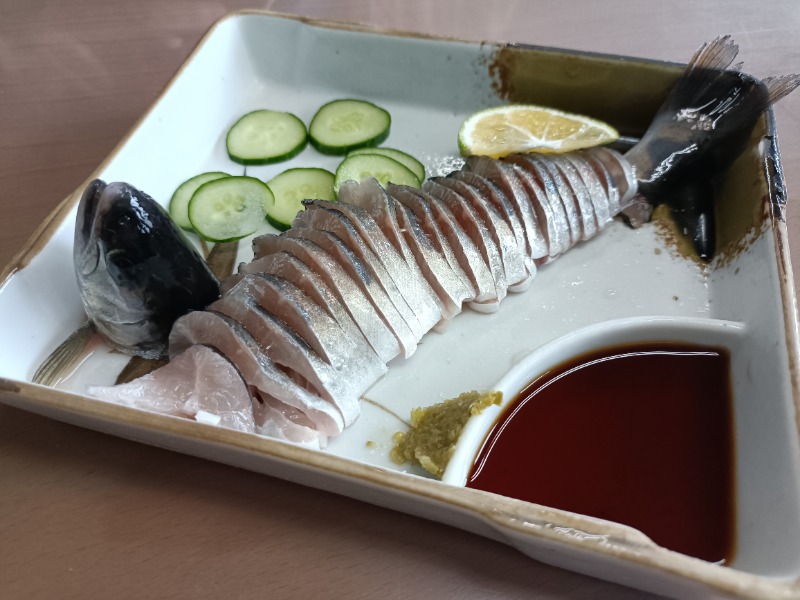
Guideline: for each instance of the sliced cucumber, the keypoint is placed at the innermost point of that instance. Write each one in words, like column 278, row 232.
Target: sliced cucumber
column 343, row 125
column 228, row 209
column 266, row 136
column 402, row 157
column 384, row 169
column 291, row 187
column 179, row 203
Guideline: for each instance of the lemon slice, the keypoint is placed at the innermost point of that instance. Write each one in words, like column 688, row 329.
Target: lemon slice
column 505, row 130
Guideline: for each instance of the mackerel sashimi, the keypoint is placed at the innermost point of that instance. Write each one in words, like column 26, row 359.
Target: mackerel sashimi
column 306, row 327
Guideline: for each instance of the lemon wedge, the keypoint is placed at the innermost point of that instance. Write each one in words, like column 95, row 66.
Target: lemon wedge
column 505, row 130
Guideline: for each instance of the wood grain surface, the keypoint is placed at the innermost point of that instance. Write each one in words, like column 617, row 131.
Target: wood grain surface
column 85, row 515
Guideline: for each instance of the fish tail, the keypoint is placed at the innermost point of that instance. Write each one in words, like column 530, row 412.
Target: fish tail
column 701, row 128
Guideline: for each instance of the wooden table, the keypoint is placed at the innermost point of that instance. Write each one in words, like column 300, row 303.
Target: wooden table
column 85, row 515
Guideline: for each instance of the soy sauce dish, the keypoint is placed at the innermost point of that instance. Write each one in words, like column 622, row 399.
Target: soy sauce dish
column 646, row 422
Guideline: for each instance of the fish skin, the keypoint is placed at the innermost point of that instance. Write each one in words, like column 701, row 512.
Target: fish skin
column 426, row 309
column 594, row 187
column 341, row 387
column 404, row 232
column 464, row 251
column 517, row 276
column 321, row 218
column 229, row 338
column 347, row 274
column 506, row 178
column 563, row 195
column 495, row 197
column 580, row 194
column 551, row 221
column 475, row 229
column 289, row 267
column 136, row 271
column 450, row 284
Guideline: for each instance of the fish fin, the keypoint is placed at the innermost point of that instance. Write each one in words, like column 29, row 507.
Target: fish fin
column 66, row 356
column 701, row 128
column 778, row 87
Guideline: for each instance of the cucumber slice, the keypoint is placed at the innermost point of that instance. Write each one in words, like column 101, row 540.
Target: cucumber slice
column 228, row 209
column 402, row 157
column 291, row 187
column 382, row 168
column 263, row 137
column 179, row 203
column 343, row 125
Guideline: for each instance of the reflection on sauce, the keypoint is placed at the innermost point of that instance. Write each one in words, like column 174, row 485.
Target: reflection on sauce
column 638, row 434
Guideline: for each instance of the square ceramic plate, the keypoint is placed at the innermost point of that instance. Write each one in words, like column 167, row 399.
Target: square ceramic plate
column 257, row 60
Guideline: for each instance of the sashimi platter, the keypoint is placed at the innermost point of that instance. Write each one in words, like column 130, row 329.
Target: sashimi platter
column 541, row 295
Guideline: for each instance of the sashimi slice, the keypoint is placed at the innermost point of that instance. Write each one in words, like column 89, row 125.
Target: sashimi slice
column 464, row 250
column 506, row 178
column 372, row 334
column 475, row 228
column 198, row 384
column 337, row 223
column 234, row 342
column 517, row 276
column 413, row 287
column 494, row 196
column 405, row 233
column 287, row 350
column 339, row 259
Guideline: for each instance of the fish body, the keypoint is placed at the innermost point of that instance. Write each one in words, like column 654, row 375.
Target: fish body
column 136, row 271
column 311, row 322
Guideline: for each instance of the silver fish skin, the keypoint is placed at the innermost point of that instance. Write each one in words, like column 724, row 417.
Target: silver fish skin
column 475, row 228
column 464, row 250
column 290, row 268
column 505, row 177
column 493, row 196
column 293, row 356
column 135, row 269
column 425, row 306
column 405, row 234
column 550, row 216
column 321, row 218
column 362, row 308
column 233, row 341
column 517, row 277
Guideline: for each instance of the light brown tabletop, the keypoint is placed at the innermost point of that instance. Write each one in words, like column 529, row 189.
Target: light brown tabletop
column 86, row 515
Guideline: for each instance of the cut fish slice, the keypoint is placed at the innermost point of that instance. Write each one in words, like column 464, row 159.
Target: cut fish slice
column 598, row 196
column 295, row 358
column 373, row 333
column 338, row 259
column 337, row 223
column 197, row 384
column 237, row 345
column 550, row 217
column 475, row 228
column 564, row 196
column 464, row 250
column 506, row 178
column 418, row 295
column 371, row 197
column 517, row 276
column 495, row 197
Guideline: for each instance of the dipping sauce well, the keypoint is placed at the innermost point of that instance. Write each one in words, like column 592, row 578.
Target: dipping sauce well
column 639, row 434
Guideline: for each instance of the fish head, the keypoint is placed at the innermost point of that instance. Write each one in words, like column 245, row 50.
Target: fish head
column 136, row 270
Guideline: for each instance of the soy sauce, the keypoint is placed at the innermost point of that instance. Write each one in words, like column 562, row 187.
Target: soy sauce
column 638, row 434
